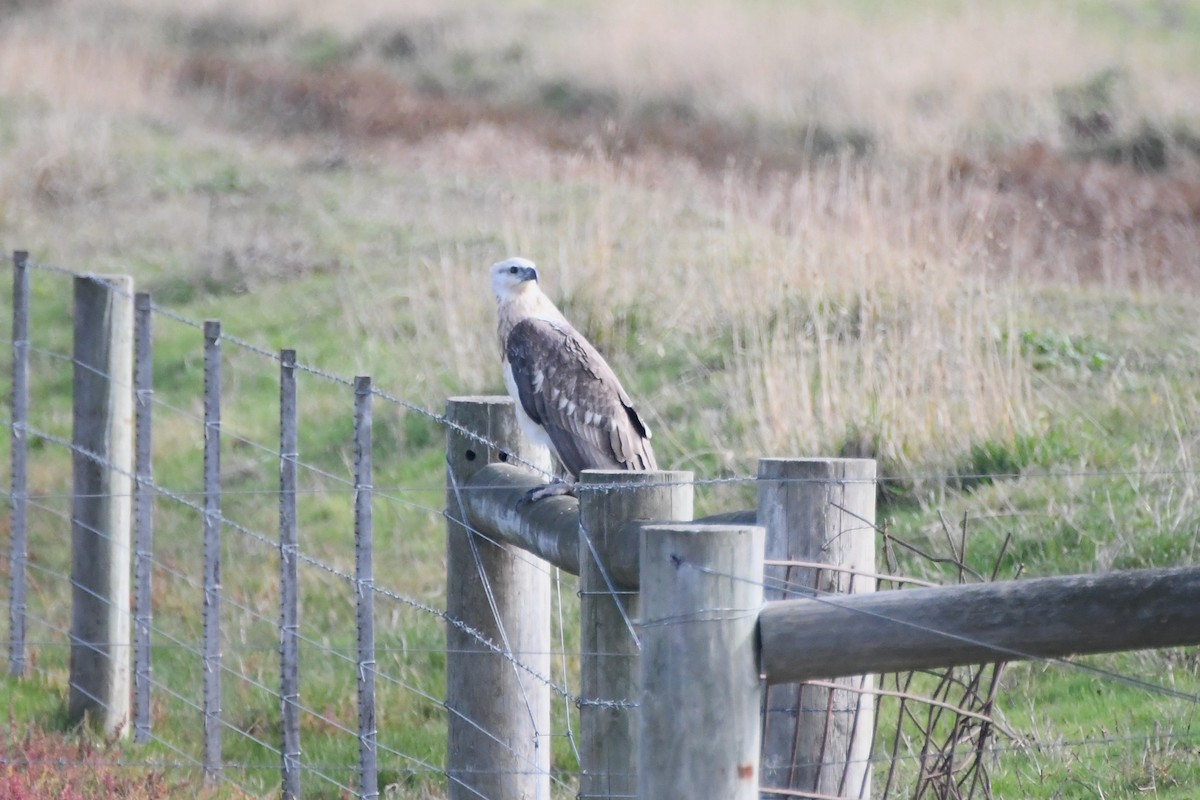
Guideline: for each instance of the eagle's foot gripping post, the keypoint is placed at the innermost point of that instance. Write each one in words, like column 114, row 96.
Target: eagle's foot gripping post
column 555, row 489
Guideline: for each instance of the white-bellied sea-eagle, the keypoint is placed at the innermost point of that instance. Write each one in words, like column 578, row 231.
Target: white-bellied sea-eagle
column 567, row 397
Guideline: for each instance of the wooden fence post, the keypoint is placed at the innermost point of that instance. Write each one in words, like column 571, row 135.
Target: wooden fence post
column 608, row 671
column 499, row 703
column 102, row 508
column 700, row 690
column 819, row 511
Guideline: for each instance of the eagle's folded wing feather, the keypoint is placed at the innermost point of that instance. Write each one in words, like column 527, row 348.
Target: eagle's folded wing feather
column 565, row 386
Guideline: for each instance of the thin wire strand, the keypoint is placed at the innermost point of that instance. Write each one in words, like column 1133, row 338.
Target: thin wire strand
column 262, row 539
column 501, row 650
column 1004, row 653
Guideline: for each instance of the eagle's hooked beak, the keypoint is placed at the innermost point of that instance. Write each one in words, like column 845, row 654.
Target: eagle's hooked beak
column 529, row 274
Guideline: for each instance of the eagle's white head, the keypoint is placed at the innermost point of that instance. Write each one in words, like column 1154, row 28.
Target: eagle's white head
column 512, row 277
column 515, row 284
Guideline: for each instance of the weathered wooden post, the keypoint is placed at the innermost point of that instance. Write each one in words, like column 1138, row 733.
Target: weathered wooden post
column 818, row 511
column 608, row 671
column 700, row 690
column 499, row 709
column 102, row 509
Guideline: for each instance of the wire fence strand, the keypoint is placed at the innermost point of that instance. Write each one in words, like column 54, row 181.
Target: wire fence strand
column 945, row 725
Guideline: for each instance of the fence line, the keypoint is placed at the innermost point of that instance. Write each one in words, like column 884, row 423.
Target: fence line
column 820, row 596
column 826, row 597
column 1027, row 474
column 147, row 490
column 479, row 637
column 214, row 516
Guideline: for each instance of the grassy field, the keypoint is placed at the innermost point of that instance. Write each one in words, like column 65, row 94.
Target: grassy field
column 961, row 238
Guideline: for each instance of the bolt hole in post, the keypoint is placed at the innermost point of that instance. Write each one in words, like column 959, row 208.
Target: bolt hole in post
column 499, row 709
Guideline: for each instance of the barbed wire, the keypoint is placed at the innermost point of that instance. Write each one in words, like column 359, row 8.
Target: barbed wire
column 935, row 477
column 196, row 707
column 1020, row 743
column 329, row 568
column 501, row 649
column 906, row 478
column 1003, row 652
column 346, row 486
column 261, row 538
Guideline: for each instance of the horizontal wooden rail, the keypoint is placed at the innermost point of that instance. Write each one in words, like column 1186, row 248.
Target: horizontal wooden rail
column 549, row 528
column 746, row 516
column 946, row 626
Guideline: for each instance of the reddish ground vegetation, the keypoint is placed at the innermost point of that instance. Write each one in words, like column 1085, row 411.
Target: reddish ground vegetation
column 351, row 102
column 1046, row 213
column 1091, row 220
column 368, row 103
column 35, row 765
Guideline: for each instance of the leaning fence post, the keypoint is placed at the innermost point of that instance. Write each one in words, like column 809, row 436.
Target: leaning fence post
column 700, row 690
column 212, row 550
column 289, row 601
column 20, row 449
column 364, row 583
column 820, row 511
column 498, row 603
column 143, row 384
column 608, row 669
column 102, row 456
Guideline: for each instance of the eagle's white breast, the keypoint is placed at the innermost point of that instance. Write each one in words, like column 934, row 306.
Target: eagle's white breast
column 535, row 433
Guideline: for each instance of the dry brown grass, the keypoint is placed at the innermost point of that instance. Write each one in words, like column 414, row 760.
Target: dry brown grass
column 756, row 300
column 863, row 305
column 918, row 76
column 1092, row 222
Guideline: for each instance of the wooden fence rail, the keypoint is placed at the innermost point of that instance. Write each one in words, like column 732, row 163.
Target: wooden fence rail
column 693, row 632
column 1001, row 621
column 692, row 692
column 814, row 510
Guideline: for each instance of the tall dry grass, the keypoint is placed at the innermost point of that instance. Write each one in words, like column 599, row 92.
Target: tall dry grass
column 857, row 305
column 922, row 77
column 64, row 90
column 821, row 326
column 861, row 306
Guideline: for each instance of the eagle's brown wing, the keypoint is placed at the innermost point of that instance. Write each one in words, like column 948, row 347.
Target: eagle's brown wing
column 566, row 386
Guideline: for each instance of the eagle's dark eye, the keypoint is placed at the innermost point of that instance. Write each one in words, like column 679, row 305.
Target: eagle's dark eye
column 512, row 270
